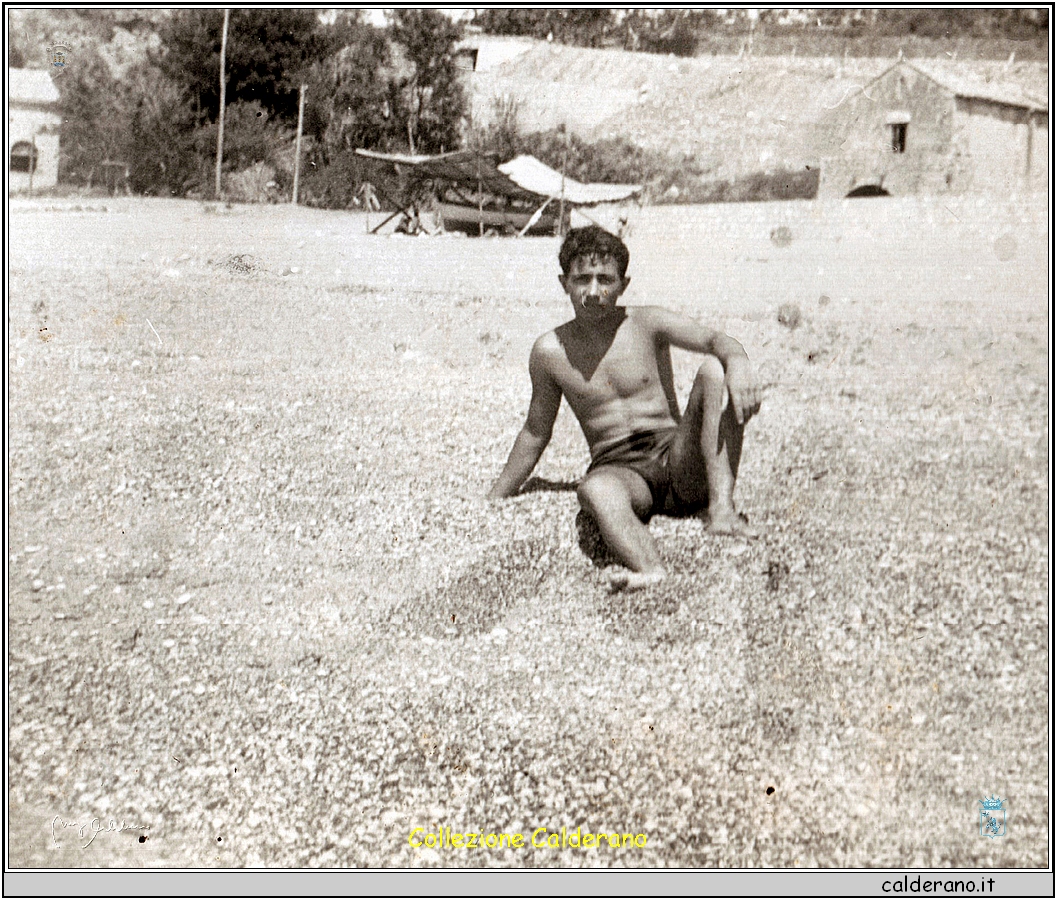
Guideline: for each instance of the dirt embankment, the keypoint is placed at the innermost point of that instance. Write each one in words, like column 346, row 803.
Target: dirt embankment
column 732, row 115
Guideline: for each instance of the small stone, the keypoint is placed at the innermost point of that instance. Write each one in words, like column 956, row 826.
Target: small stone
column 789, row 315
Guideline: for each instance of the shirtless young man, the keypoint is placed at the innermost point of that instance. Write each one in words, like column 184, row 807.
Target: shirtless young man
column 613, row 365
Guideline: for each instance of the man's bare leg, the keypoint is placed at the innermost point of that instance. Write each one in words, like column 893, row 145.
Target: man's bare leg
column 708, row 449
column 617, row 499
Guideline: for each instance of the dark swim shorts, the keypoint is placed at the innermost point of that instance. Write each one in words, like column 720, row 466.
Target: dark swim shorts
column 646, row 453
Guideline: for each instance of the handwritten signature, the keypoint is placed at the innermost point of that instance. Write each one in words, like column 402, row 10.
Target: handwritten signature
column 95, row 828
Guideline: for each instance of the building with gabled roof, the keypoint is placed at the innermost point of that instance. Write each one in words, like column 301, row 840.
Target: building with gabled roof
column 926, row 127
column 33, row 124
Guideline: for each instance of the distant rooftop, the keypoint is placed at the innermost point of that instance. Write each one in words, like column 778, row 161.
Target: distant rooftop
column 495, row 50
column 31, row 86
column 962, row 82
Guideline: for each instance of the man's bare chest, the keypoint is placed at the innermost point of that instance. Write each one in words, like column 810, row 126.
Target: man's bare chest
column 590, row 372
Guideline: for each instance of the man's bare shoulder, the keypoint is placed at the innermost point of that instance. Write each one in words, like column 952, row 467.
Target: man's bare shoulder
column 650, row 318
column 547, row 352
column 650, row 315
column 661, row 321
column 548, row 345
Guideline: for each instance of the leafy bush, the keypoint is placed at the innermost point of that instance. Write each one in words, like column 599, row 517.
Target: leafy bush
column 782, row 184
column 335, row 185
column 251, row 139
column 256, row 184
column 250, row 136
column 666, row 178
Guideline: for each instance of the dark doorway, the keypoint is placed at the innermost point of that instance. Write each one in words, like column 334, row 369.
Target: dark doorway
column 899, row 137
column 869, row 190
column 23, row 157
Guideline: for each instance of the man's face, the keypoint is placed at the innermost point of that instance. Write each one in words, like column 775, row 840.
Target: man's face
column 594, row 285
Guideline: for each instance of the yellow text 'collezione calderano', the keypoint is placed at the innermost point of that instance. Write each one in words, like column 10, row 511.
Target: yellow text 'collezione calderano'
column 541, row 839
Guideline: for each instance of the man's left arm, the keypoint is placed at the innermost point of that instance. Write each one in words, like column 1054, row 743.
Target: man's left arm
column 689, row 334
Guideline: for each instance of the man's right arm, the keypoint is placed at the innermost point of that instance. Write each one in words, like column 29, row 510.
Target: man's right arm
column 535, row 434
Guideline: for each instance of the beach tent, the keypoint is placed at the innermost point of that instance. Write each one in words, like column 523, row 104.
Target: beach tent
column 522, row 188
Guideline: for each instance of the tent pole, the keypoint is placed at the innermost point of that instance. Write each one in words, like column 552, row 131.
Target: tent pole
column 535, row 217
column 589, row 219
column 400, row 208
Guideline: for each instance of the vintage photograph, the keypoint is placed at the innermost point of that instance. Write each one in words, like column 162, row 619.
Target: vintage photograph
column 528, row 438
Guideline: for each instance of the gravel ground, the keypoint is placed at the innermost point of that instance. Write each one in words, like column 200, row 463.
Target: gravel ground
column 260, row 614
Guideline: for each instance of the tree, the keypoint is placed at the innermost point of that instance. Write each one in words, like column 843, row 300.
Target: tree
column 93, row 113
column 433, row 104
column 16, row 58
column 266, row 47
column 350, row 101
column 160, row 135
column 665, row 31
column 586, row 27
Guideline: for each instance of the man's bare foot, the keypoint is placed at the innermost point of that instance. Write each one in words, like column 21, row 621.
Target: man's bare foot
column 729, row 522
column 623, row 580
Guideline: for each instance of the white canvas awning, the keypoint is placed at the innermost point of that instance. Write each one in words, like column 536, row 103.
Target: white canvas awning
column 529, row 173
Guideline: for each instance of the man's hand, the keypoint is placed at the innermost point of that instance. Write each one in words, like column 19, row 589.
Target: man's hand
column 744, row 389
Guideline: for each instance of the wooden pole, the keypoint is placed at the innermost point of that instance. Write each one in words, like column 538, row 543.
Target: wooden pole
column 561, row 205
column 297, row 143
column 223, row 99
column 535, row 217
column 480, row 196
column 1030, row 149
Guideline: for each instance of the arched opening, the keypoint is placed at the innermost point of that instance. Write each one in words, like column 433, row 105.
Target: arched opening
column 23, row 157
column 869, row 190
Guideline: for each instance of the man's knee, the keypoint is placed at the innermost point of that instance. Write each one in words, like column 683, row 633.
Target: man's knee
column 591, row 494
column 711, row 372
column 601, row 494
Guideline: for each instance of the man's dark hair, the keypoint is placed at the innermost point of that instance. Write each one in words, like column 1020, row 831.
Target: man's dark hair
column 592, row 241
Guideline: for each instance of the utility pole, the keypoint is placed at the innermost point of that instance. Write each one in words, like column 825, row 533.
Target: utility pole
column 223, row 97
column 297, row 143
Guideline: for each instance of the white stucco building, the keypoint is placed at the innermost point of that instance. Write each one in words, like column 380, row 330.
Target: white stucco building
column 33, row 123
